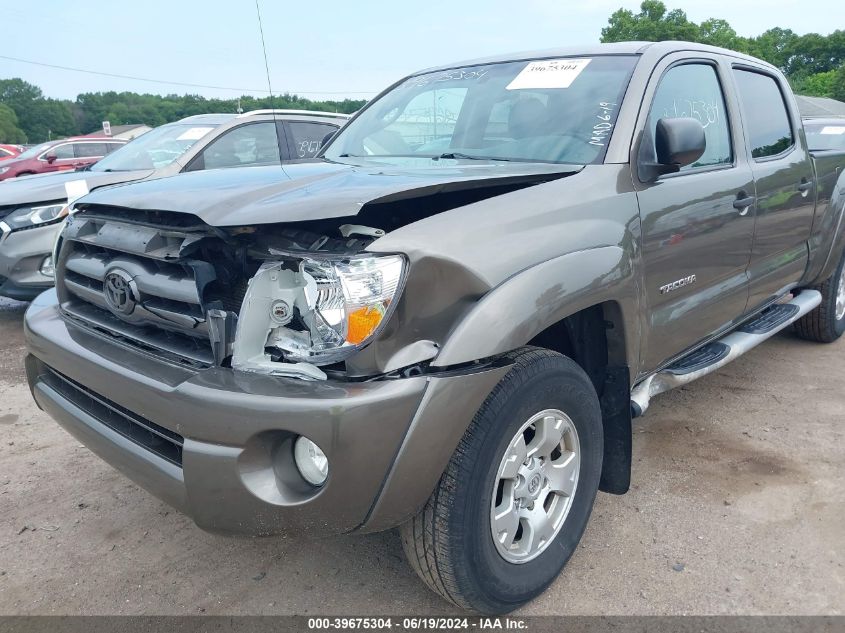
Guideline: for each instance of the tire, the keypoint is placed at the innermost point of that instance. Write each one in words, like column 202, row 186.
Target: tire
column 821, row 324
column 450, row 543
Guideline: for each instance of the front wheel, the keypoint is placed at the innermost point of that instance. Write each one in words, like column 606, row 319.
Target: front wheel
column 516, row 496
column 826, row 323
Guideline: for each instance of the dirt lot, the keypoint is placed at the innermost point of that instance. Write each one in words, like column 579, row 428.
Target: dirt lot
column 738, row 507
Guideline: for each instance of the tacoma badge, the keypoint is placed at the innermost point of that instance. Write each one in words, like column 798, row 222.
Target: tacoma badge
column 684, row 281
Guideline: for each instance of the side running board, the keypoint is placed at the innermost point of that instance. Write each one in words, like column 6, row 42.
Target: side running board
column 708, row 358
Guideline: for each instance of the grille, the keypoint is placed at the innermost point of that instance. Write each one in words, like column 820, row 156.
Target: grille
column 163, row 442
column 146, row 285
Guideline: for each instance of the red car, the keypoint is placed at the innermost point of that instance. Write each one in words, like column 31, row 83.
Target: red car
column 64, row 155
column 10, row 151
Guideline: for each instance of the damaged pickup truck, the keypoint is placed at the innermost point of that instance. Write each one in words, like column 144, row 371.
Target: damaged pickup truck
column 447, row 321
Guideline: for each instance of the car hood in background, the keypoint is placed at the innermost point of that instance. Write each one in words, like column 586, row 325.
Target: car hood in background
column 311, row 191
column 51, row 187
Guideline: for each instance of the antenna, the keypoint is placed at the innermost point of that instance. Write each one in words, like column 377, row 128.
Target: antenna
column 269, row 84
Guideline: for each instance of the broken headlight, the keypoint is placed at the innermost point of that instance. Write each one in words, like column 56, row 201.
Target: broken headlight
column 317, row 312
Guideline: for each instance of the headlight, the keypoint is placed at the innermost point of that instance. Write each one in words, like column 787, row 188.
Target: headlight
column 316, row 314
column 28, row 217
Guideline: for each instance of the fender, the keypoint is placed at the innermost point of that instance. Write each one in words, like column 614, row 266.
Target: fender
column 506, row 318
column 525, row 304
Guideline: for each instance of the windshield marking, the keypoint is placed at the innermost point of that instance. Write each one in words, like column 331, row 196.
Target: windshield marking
column 450, row 75
column 601, row 130
column 549, row 73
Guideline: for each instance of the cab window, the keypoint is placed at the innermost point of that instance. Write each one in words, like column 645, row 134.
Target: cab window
column 764, row 113
column 692, row 90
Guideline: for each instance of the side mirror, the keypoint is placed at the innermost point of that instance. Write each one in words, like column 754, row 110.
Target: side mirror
column 50, row 158
column 678, row 142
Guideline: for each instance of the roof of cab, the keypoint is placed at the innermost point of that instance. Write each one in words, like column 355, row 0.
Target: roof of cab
column 616, row 48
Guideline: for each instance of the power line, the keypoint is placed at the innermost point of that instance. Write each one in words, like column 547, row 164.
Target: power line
column 178, row 83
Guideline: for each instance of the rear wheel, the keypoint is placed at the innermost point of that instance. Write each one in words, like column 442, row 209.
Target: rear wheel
column 517, row 494
column 826, row 323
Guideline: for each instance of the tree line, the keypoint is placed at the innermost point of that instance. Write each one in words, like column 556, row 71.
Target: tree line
column 27, row 116
column 814, row 64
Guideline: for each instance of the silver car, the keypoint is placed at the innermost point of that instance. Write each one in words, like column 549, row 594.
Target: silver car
column 32, row 208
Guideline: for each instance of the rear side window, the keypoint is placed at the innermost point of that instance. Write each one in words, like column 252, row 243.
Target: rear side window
column 764, row 113
column 307, row 138
column 693, row 90
column 110, row 147
column 90, row 150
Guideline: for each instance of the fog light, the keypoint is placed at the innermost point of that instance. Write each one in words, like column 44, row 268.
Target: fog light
column 311, row 461
column 47, row 269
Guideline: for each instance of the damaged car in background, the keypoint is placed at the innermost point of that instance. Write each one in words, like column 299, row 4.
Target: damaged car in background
column 446, row 322
column 32, row 208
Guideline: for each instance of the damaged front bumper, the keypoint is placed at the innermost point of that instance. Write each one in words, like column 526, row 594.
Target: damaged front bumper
column 217, row 443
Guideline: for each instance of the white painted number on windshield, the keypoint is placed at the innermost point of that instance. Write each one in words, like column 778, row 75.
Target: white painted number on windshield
column 601, row 130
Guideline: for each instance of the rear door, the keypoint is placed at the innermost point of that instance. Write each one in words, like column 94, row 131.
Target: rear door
column 696, row 225
column 783, row 178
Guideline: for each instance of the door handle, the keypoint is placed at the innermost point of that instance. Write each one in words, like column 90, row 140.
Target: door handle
column 805, row 185
column 743, row 202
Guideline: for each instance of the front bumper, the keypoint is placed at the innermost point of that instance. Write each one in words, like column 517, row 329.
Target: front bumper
column 21, row 255
column 234, row 472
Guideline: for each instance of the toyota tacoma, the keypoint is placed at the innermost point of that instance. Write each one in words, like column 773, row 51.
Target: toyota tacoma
column 446, row 322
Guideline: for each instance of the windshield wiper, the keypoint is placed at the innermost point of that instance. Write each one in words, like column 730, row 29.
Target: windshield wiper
column 462, row 156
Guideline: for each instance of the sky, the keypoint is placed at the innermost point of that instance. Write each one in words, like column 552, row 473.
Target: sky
column 321, row 50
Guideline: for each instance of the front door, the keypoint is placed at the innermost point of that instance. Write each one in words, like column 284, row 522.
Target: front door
column 697, row 224
column 784, row 186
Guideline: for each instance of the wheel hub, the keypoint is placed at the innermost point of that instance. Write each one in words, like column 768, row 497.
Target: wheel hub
column 530, row 481
column 534, row 487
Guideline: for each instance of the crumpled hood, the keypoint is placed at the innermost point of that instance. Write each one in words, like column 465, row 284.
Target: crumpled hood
column 308, row 191
column 51, row 187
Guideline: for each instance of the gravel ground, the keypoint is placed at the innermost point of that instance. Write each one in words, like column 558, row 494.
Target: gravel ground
column 738, row 507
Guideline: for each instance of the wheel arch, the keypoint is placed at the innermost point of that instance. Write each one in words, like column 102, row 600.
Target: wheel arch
column 537, row 300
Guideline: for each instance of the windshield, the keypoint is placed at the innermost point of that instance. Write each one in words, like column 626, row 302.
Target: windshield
column 822, row 136
column 32, row 152
column 552, row 110
column 155, row 149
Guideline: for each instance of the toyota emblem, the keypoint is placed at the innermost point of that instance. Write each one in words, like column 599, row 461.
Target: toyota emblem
column 119, row 292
